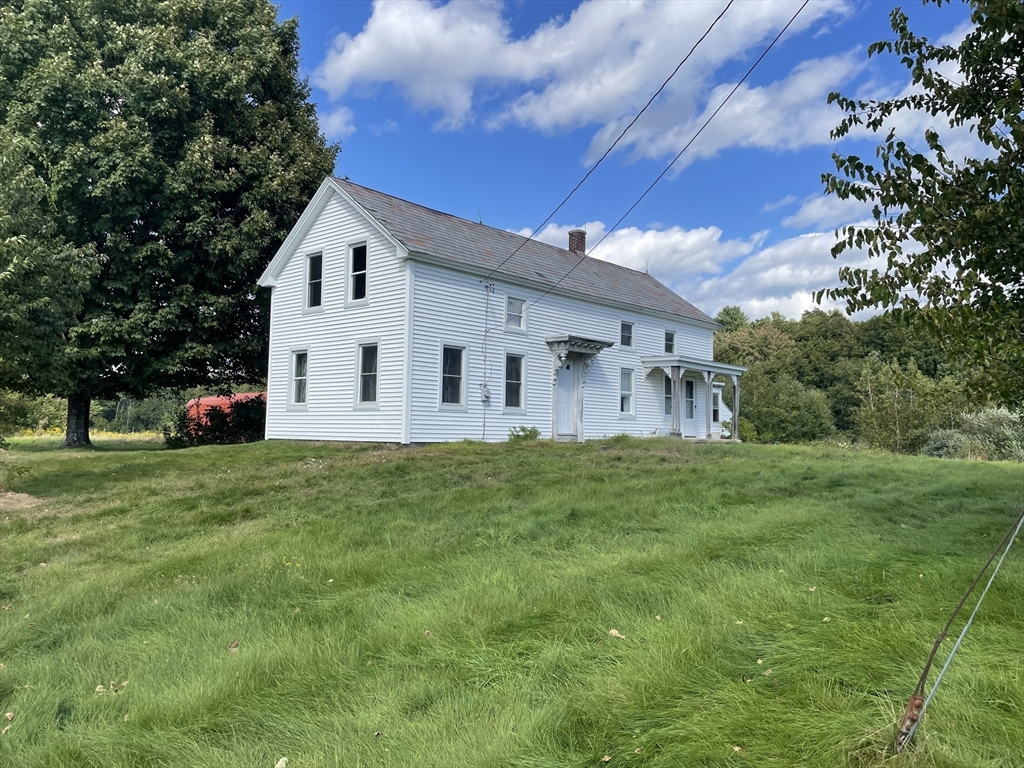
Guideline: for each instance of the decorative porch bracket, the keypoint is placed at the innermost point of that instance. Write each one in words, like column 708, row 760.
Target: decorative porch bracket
column 585, row 350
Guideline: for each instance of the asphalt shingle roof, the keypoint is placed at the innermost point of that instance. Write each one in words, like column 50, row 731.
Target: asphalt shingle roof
column 443, row 236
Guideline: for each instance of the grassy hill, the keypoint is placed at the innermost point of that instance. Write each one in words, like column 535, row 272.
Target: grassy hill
column 451, row 606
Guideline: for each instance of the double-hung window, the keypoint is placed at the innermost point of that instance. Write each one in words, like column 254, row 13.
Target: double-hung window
column 314, row 280
column 689, row 401
column 357, row 272
column 626, row 335
column 452, row 375
column 715, row 406
column 300, row 364
column 668, row 395
column 670, row 342
column 513, row 381
column 626, row 391
column 514, row 309
column 368, row 373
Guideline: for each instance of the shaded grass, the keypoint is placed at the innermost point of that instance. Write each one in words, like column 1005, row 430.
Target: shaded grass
column 331, row 564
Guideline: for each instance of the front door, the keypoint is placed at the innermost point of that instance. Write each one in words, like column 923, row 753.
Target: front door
column 689, row 408
column 565, row 400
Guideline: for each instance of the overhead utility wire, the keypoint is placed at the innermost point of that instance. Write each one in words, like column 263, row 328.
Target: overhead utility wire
column 690, row 142
column 614, row 143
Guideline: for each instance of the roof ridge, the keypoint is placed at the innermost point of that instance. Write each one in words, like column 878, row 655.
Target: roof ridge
column 496, row 229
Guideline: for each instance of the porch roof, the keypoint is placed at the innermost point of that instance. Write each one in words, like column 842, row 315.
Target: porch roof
column 691, row 363
column 578, row 344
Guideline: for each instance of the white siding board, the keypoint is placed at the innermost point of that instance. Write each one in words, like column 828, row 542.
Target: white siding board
column 450, row 306
column 331, row 336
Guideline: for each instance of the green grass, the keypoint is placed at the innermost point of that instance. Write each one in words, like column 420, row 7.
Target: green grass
column 451, row 606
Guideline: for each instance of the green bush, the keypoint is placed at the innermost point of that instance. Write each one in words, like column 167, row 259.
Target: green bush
column 781, row 409
column 244, row 422
column 523, row 434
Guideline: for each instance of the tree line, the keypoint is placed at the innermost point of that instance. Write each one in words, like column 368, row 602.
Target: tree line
column 881, row 382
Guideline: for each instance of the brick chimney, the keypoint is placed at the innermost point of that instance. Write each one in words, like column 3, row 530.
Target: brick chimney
column 577, row 241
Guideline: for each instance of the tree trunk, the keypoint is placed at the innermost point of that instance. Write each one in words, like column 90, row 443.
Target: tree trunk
column 77, row 435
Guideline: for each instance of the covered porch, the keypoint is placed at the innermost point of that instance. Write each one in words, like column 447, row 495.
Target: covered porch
column 676, row 367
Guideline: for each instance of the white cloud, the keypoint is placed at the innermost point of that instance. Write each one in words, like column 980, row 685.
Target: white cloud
column 338, row 124
column 824, row 211
column 776, row 204
column 713, row 273
column 671, row 254
column 594, row 67
column 388, row 126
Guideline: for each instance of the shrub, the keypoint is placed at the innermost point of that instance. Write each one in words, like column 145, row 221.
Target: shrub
column 243, row 422
column 523, row 434
column 995, row 434
column 781, row 409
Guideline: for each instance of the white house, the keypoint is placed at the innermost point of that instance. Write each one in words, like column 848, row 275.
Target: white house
column 393, row 322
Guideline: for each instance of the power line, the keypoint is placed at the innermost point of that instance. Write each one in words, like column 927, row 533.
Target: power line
column 676, row 158
column 614, row 143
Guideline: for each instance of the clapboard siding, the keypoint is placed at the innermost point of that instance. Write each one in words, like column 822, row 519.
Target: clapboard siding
column 451, row 307
column 332, row 335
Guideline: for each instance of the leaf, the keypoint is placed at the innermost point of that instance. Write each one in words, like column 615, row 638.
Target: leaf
column 657, row 618
column 760, row 661
column 606, row 759
column 5, row 730
column 282, row 763
column 428, row 634
column 616, row 633
column 766, row 672
column 233, row 646
column 737, row 749
column 9, row 715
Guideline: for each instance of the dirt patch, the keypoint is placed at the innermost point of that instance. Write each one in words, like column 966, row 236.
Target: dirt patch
column 17, row 502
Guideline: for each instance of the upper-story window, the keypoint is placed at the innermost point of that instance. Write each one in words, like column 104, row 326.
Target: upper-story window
column 626, row 335
column 670, row 342
column 357, row 272
column 314, row 280
column 514, row 309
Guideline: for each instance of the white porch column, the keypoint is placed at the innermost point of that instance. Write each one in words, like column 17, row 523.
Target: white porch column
column 708, row 376
column 735, row 407
column 676, row 428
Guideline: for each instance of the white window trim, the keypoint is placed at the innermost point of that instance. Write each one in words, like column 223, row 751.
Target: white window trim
column 675, row 341
column 511, row 328
column 522, row 384
column 358, row 404
column 464, row 405
column 716, row 395
column 666, row 392
column 350, row 282
column 631, row 413
column 292, row 354
column 632, row 325
column 306, row 309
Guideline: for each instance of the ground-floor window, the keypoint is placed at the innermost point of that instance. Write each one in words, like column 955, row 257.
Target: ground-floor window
column 451, row 375
column 716, row 398
column 368, row 373
column 300, row 363
column 513, row 381
column 626, row 391
column 688, row 399
column 668, row 395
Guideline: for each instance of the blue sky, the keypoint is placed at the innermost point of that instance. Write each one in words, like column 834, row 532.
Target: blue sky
column 493, row 111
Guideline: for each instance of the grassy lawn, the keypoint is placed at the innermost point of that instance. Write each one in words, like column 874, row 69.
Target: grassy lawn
column 451, row 606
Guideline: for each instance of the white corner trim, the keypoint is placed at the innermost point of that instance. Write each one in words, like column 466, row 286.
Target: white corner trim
column 410, row 286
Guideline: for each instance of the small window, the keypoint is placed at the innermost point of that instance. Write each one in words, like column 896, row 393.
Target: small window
column 668, row 395
column 514, row 312
column 626, row 391
column 368, row 373
column 513, row 381
column 626, row 335
column 451, row 375
column 670, row 342
column 688, row 400
column 299, row 369
column 314, row 280
column 358, row 272
column 715, row 406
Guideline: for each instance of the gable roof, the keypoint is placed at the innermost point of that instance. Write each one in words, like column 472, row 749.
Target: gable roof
column 440, row 235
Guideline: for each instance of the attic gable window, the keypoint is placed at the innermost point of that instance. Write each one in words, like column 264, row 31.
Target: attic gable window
column 314, row 280
column 357, row 272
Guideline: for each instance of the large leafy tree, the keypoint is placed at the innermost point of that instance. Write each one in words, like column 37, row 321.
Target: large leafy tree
column 176, row 141
column 948, row 232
